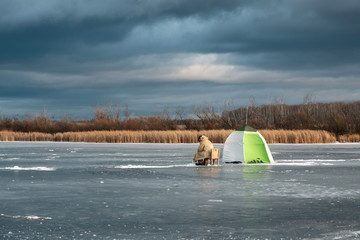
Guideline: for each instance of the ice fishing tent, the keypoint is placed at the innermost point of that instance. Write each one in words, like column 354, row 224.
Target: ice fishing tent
column 246, row 145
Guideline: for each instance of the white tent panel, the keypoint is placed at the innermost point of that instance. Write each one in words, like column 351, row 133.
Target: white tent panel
column 233, row 148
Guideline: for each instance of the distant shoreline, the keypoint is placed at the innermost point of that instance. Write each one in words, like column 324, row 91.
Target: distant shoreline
column 177, row 136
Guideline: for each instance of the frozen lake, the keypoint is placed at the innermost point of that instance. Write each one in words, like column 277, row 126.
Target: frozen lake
column 153, row 191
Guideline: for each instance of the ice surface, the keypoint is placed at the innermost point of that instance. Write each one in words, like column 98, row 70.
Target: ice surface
column 154, row 191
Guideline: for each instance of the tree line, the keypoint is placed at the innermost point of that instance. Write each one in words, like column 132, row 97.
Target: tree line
column 338, row 118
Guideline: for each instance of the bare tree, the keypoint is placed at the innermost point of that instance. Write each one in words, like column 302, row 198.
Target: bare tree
column 100, row 113
column 165, row 114
column 179, row 113
column 128, row 114
column 309, row 98
column 113, row 112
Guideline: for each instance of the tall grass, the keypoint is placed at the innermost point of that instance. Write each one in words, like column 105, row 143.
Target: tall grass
column 25, row 136
column 174, row 136
column 349, row 138
column 298, row 136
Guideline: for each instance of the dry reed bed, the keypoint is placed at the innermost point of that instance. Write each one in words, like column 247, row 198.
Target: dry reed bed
column 297, row 136
column 141, row 136
column 349, row 138
column 179, row 136
column 25, row 136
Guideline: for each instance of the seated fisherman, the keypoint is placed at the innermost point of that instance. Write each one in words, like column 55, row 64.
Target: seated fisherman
column 203, row 153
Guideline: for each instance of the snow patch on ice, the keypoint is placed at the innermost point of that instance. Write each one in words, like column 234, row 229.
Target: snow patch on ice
column 304, row 164
column 31, row 217
column 313, row 160
column 130, row 166
column 300, row 190
column 345, row 234
column 215, row 200
column 308, row 162
column 17, row 168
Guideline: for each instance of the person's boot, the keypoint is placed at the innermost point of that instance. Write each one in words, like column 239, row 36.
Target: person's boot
column 200, row 162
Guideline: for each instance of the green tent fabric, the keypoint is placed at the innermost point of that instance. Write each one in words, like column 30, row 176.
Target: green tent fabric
column 246, row 145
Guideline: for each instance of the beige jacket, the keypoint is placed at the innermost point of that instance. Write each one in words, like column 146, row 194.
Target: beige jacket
column 204, row 150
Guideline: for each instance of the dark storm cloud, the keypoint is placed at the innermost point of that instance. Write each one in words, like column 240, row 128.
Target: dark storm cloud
column 78, row 53
column 291, row 34
column 320, row 32
column 60, row 27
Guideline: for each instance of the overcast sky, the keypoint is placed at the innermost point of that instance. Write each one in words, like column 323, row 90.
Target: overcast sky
column 67, row 56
